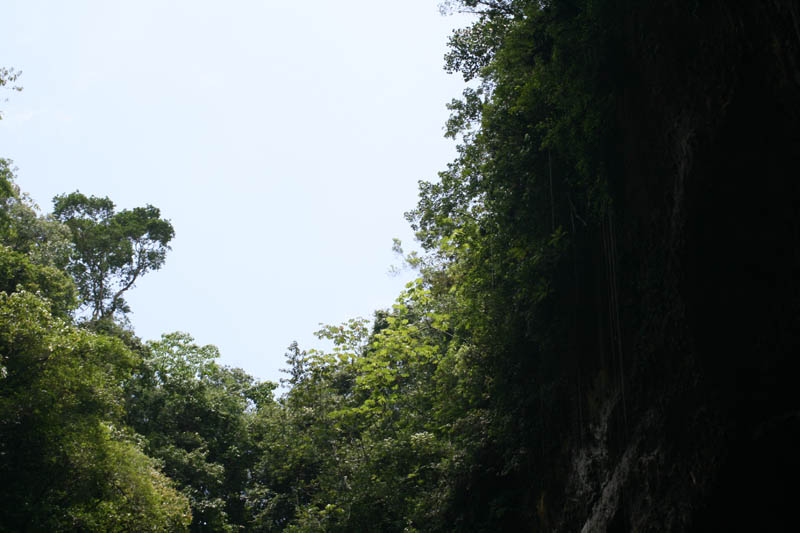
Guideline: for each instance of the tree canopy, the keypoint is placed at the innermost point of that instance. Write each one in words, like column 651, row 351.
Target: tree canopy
column 111, row 250
column 563, row 359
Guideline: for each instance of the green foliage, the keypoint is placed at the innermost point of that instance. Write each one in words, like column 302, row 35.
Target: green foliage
column 43, row 239
column 65, row 465
column 17, row 272
column 136, row 495
column 354, row 446
column 69, row 462
column 111, row 250
column 499, row 227
column 7, row 190
column 194, row 415
column 33, row 249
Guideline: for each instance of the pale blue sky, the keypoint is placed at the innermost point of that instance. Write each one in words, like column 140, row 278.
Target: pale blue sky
column 283, row 139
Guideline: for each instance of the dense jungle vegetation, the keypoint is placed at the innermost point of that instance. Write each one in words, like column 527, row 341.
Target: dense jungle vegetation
column 602, row 336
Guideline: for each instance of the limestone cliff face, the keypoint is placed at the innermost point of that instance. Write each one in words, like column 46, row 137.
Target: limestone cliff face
column 688, row 405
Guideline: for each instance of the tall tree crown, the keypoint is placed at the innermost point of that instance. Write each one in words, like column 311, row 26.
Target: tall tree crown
column 111, row 250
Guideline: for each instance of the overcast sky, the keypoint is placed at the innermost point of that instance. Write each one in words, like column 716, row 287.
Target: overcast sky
column 283, row 139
